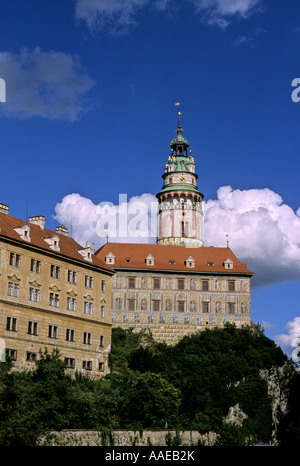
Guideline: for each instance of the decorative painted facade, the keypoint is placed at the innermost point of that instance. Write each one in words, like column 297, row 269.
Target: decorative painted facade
column 175, row 290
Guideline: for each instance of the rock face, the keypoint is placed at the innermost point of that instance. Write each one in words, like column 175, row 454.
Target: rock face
column 235, row 416
column 277, row 379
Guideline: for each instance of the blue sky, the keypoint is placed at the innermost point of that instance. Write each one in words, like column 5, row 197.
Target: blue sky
column 89, row 114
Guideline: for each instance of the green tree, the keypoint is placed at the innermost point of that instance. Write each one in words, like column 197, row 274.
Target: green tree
column 155, row 402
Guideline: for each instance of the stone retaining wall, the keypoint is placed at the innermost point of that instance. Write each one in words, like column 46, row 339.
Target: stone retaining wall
column 128, row 438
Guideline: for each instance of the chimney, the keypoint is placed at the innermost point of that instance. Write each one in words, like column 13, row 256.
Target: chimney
column 39, row 221
column 4, row 209
column 62, row 230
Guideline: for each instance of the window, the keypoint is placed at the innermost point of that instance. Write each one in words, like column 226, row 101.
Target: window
column 72, row 277
column 156, row 283
column 102, row 311
column 156, row 305
column 11, row 354
column 204, row 285
column 101, row 366
column 71, row 304
column 31, row 357
column 88, row 281
column 87, row 338
column 35, row 266
column 54, row 299
column 11, row 324
column 52, row 331
column 180, row 306
column 87, row 365
column 88, row 307
column 55, row 271
column 32, row 328
column 131, row 282
column 70, row 363
column 103, row 285
column 70, row 334
column 231, row 286
column 34, row 294
column 180, row 284
column 101, row 343
column 131, row 304
column 13, row 289
column 15, row 260
column 10, row 290
column 205, row 307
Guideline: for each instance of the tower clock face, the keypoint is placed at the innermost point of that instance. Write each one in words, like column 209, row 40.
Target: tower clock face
column 182, row 178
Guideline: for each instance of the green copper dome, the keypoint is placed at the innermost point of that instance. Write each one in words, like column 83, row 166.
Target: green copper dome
column 179, row 144
column 179, row 140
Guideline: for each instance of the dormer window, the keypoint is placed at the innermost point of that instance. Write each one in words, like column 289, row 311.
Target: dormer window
column 87, row 252
column 53, row 242
column 24, row 232
column 149, row 260
column 190, row 262
column 228, row 264
column 110, row 258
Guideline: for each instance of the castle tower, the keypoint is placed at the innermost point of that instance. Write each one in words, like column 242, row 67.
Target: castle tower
column 180, row 214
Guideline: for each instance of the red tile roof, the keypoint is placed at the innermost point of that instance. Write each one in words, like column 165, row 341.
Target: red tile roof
column 207, row 259
column 67, row 245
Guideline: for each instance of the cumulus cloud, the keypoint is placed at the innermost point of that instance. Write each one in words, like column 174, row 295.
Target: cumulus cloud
column 290, row 341
column 262, row 231
column 44, row 84
column 132, row 220
column 119, row 14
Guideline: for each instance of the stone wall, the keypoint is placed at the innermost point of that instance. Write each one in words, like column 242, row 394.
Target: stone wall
column 128, row 438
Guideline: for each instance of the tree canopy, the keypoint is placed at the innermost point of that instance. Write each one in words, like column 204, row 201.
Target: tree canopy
column 192, row 385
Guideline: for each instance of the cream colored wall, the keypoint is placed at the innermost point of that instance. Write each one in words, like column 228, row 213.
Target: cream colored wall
column 25, row 310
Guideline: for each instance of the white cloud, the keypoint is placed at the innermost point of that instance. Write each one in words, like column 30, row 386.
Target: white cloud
column 262, row 231
column 221, row 11
column 116, row 14
column 119, row 14
column 44, row 84
column 290, row 341
column 132, row 220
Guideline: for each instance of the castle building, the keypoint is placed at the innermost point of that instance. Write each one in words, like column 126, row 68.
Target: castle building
column 177, row 286
column 54, row 293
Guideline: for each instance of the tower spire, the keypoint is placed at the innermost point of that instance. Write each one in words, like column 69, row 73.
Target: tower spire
column 179, row 129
